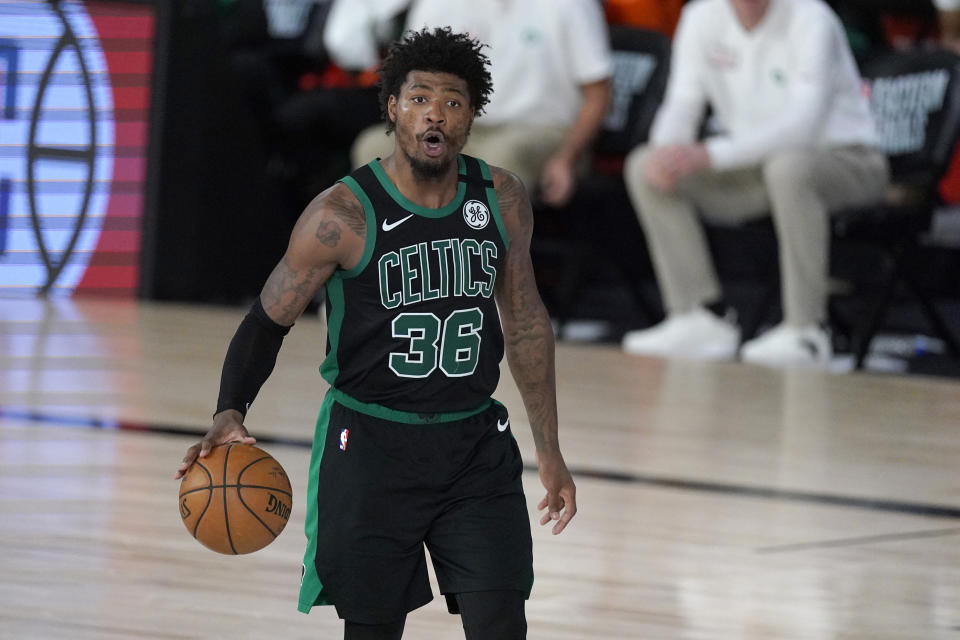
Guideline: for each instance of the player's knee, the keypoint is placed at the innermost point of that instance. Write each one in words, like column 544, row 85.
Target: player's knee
column 493, row 614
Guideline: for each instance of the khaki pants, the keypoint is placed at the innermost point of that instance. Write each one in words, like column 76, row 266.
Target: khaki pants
column 798, row 188
column 522, row 149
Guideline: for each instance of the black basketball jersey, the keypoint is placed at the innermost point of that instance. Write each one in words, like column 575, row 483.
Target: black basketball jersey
column 413, row 326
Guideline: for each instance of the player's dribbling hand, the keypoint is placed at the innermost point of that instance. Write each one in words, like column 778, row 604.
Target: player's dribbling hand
column 227, row 427
column 561, row 499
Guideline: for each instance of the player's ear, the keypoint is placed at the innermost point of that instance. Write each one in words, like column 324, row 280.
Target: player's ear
column 392, row 108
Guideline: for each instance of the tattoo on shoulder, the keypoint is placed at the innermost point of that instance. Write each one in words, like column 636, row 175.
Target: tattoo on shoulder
column 512, row 197
column 334, row 208
column 510, row 191
column 347, row 209
column 328, row 232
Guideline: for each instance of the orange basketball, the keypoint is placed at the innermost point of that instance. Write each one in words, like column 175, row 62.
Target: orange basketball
column 235, row 500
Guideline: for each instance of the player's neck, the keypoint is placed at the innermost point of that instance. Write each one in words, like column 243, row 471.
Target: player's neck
column 429, row 192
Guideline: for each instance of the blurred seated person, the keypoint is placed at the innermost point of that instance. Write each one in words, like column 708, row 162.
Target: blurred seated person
column 337, row 100
column 797, row 141
column 656, row 15
column 551, row 66
column 357, row 31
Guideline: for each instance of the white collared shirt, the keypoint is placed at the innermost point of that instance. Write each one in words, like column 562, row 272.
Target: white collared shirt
column 790, row 82
column 541, row 52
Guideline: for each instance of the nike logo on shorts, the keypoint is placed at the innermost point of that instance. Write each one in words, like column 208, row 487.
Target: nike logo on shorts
column 502, row 426
column 387, row 226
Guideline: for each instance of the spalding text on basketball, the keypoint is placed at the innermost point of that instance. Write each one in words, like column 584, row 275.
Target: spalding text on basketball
column 274, row 505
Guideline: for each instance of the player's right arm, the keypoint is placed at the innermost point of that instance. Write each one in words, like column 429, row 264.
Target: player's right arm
column 330, row 233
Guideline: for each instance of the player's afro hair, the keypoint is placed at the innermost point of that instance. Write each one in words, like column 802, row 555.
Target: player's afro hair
column 439, row 51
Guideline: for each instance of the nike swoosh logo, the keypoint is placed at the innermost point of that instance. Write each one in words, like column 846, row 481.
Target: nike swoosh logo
column 387, row 226
column 502, row 426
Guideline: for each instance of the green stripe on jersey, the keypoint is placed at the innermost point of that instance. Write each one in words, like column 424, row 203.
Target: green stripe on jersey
column 311, row 589
column 405, row 417
column 494, row 203
column 371, row 233
column 401, row 200
column 330, row 368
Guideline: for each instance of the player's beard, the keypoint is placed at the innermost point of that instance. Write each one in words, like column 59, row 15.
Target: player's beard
column 433, row 168
column 429, row 169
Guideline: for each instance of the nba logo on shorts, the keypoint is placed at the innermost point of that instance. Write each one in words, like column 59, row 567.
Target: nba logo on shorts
column 344, row 434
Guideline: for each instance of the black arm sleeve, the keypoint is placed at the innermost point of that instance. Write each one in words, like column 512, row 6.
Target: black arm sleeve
column 250, row 359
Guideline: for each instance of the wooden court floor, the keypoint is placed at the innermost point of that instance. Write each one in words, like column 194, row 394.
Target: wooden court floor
column 716, row 501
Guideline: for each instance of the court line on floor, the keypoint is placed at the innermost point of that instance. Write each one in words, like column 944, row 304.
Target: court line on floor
column 699, row 486
column 859, row 541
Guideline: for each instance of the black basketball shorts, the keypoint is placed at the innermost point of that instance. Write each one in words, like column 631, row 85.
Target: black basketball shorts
column 381, row 489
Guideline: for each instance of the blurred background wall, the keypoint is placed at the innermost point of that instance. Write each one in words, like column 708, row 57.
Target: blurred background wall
column 147, row 148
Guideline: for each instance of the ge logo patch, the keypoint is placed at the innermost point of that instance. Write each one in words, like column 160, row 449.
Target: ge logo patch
column 476, row 214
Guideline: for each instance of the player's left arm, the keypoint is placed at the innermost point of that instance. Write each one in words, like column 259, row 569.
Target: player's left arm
column 528, row 338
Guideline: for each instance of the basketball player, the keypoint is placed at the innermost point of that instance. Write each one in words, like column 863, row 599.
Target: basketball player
column 418, row 251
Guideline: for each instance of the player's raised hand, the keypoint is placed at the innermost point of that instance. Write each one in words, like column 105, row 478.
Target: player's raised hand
column 561, row 499
column 227, row 427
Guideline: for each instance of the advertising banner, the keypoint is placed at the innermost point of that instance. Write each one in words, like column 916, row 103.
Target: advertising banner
column 75, row 83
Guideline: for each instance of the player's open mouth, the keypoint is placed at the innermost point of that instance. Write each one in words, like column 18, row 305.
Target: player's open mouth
column 434, row 144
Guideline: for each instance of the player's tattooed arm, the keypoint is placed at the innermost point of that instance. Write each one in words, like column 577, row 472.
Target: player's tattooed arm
column 528, row 333
column 528, row 338
column 330, row 232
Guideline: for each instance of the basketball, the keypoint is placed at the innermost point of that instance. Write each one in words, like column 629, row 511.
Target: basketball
column 236, row 500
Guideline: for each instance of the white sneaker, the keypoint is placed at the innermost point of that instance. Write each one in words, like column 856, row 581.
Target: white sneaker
column 697, row 334
column 785, row 346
